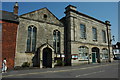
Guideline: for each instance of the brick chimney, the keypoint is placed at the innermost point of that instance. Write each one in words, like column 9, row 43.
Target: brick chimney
column 16, row 9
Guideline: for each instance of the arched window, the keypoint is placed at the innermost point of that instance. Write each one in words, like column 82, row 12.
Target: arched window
column 83, row 53
column 105, row 53
column 56, row 41
column 34, row 38
column 31, row 40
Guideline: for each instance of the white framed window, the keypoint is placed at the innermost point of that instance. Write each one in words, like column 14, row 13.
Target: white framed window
column 94, row 31
column 104, row 36
column 82, row 31
column 31, row 40
column 83, row 53
column 56, row 41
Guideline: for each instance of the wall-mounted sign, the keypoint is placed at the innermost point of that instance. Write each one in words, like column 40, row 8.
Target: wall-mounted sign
column 74, row 56
column 62, row 55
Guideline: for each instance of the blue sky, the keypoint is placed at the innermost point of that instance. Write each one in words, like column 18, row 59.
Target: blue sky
column 100, row 10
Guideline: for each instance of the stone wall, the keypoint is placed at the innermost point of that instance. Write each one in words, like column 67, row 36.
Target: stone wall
column 73, row 40
column 89, row 23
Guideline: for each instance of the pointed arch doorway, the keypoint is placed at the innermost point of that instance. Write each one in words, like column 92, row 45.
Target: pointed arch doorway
column 47, row 58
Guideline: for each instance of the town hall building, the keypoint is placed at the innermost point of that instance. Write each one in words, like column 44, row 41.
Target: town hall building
column 42, row 40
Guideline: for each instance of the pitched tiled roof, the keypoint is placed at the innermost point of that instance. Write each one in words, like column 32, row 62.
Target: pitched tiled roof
column 8, row 16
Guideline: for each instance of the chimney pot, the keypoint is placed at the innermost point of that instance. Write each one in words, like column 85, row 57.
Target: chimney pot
column 16, row 8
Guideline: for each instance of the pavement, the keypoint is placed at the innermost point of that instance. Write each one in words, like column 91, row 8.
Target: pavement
column 101, row 70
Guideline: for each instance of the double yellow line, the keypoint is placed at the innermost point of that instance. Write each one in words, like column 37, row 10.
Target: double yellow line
column 55, row 71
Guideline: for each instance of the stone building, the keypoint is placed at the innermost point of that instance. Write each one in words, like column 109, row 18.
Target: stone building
column 40, row 39
column 45, row 41
column 87, row 40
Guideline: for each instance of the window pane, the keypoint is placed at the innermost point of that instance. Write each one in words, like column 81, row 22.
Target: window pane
column 56, row 41
column 58, row 50
column 83, row 53
column 58, row 44
column 58, row 36
column 29, row 32
column 104, row 36
column 82, row 31
column 94, row 30
column 34, row 39
column 29, row 39
column 28, row 44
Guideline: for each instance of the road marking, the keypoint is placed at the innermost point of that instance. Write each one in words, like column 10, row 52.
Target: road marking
column 56, row 71
column 89, row 74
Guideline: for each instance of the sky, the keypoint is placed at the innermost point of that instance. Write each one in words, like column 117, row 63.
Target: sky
column 99, row 10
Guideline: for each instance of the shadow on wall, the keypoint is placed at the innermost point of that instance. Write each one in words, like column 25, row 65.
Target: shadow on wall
column 36, row 58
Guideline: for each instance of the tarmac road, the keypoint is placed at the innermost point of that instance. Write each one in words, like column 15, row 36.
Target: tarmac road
column 102, row 70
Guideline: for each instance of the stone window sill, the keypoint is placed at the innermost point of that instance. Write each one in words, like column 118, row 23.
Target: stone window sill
column 29, row 52
column 94, row 40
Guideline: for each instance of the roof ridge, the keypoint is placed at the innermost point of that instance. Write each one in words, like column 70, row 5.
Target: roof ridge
column 33, row 11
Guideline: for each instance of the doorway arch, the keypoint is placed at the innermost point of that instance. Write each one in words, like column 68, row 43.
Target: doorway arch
column 47, row 58
column 95, row 55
